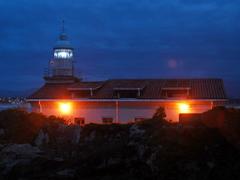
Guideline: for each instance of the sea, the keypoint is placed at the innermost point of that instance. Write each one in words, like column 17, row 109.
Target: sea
column 8, row 106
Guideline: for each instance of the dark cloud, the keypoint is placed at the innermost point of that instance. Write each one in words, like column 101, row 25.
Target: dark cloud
column 122, row 38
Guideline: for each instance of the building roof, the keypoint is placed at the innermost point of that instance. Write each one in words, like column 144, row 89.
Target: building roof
column 150, row 88
column 86, row 85
column 52, row 91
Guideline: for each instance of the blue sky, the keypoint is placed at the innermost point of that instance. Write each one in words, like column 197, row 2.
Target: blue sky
column 122, row 39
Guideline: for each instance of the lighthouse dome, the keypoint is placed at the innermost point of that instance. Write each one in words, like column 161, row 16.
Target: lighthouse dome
column 63, row 42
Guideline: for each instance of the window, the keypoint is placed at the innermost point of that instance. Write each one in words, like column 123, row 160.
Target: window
column 79, row 121
column 138, row 119
column 81, row 94
column 127, row 93
column 107, row 120
column 175, row 92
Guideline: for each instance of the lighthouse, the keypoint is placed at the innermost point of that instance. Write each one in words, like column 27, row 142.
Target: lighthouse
column 120, row 100
column 61, row 65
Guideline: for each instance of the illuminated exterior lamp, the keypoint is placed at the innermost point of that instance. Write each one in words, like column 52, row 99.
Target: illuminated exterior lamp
column 65, row 108
column 184, row 108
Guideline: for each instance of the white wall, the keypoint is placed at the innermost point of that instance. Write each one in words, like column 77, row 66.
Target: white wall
column 127, row 111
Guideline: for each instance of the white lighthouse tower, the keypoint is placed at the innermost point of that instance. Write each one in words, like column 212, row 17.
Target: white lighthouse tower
column 61, row 67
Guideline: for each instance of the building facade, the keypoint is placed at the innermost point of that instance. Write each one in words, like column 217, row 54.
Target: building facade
column 118, row 100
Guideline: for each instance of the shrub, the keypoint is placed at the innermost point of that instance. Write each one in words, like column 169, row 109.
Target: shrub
column 22, row 127
column 159, row 114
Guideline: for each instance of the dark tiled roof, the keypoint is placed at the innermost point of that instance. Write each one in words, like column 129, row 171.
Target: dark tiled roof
column 52, row 91
column 151, row 88
column 86, row 85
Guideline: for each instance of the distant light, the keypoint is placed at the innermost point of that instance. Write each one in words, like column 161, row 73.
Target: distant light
column 65, row 107
column 184, row 108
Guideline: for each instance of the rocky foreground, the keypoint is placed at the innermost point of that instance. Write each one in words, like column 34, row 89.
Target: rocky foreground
column 33, row 146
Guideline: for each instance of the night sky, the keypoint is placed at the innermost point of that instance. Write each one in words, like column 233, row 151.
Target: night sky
column 122, row 39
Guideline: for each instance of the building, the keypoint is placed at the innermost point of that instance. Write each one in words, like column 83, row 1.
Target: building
column 118, row 100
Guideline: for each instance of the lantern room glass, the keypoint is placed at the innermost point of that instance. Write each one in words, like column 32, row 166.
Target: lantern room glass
column 63, row 53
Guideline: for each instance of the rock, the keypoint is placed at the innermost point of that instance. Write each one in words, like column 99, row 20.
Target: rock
column 66, row 173
column 109, row 162
column 135, row 131
column 113, row 161
column 14, row 154
column 151, row 161
column 2, row 132
column 191, row 166
column 90, row 137
column 141, row 149
column 58, row 159
column 24, row 150
column 210, row 164
column 62, row 128
column 135, row 135
column 1, row 146
column 42, row 138
column 76, row 134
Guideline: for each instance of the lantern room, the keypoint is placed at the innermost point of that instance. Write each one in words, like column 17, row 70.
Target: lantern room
column 62, row 62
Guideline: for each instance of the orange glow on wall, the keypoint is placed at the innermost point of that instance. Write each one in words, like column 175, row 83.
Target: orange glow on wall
column 184, row 108
column 65, row 108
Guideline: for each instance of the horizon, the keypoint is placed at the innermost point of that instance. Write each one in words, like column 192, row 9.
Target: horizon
column 122, row 39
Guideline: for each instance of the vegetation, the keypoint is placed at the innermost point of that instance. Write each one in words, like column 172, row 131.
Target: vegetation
column 22, row 127
column 33, row 146
column 159, row 114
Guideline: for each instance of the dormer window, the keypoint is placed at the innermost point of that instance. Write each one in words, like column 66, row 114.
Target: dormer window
column 127, row 92
column 82, row 94
column 86, row 91
column 179, row 92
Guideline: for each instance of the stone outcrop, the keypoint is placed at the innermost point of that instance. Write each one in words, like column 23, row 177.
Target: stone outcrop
column 150, row 149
